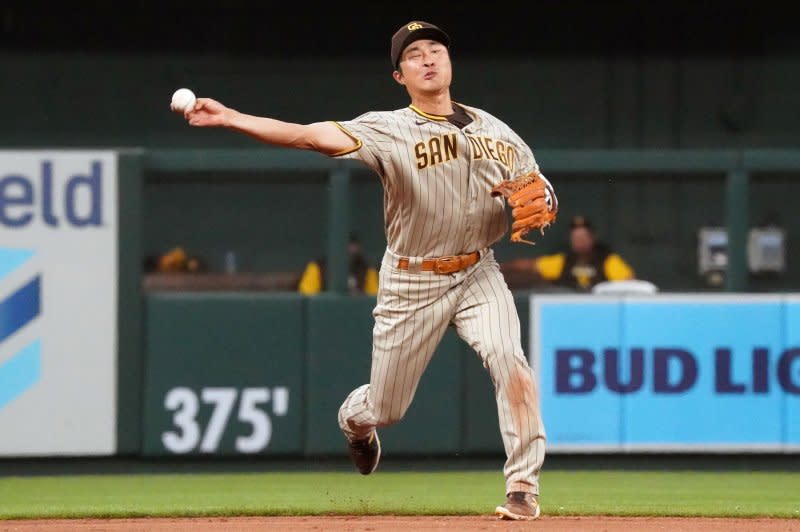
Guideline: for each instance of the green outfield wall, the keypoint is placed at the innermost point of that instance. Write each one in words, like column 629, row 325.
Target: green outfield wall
column 264, row 374
column 221, row 371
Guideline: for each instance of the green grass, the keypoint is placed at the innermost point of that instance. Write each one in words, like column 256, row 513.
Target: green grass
column 451, row 493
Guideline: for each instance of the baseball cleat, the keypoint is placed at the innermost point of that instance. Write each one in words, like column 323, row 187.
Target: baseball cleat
column 366, row 453
column 519, row 506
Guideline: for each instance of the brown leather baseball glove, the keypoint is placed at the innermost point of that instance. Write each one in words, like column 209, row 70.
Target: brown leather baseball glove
column 533, row 202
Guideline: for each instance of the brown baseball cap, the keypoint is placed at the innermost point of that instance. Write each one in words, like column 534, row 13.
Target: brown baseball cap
column 414, row 31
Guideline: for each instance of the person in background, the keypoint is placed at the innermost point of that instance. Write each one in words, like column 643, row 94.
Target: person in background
column 176, row 260
column 586, row 263
column 362, row 278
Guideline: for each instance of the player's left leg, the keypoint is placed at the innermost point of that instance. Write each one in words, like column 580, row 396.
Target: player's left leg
column 487, row 320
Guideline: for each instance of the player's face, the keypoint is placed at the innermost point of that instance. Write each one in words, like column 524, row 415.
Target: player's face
column 425, row 67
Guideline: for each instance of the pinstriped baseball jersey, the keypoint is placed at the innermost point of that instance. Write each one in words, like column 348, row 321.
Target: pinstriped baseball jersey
column 437, row 178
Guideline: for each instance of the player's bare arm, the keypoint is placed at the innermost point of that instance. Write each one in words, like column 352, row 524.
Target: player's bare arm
column 323, row 137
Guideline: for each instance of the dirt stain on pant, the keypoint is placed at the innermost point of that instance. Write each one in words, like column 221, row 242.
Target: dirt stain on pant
column 523, row 401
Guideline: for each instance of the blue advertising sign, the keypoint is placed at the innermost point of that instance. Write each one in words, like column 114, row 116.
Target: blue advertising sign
column 682, row 372
column 791, row 325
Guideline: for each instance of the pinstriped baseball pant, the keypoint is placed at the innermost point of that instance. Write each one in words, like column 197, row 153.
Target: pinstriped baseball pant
column 413, row 312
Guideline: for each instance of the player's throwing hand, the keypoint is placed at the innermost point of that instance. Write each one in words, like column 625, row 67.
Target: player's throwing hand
column 208, row 113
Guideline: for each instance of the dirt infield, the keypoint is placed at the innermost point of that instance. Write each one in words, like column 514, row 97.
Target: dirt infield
column 405, row 524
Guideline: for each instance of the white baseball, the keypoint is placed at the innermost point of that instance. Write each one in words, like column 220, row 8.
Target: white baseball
column 183, row 99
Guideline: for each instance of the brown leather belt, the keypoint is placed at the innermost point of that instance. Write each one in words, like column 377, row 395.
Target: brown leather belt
column 444, row 265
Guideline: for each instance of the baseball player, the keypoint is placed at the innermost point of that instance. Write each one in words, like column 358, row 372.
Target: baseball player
column 438, row 161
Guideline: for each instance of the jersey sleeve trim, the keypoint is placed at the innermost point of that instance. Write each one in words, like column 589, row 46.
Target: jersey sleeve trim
column 349, row 134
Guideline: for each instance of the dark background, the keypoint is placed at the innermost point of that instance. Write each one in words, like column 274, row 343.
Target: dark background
column 362, row 29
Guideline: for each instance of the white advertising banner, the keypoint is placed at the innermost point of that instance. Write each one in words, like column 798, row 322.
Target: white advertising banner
column 58, row 302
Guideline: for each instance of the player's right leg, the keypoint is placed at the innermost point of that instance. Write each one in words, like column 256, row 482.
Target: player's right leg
column 412, row 314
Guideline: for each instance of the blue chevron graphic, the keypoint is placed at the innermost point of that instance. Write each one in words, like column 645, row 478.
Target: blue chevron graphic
column 11, row 259
column 23, row 369
column 19, row 308
column 20, row 372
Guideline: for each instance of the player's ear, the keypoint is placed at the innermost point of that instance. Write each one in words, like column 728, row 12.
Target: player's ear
column 398, row 76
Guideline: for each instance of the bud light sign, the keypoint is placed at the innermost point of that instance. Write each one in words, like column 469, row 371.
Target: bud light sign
column 681, row 372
